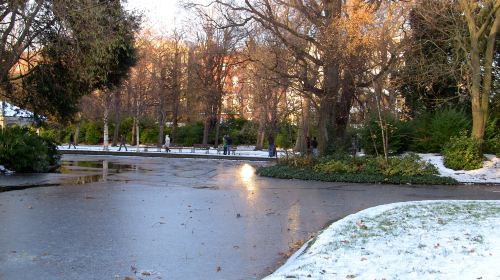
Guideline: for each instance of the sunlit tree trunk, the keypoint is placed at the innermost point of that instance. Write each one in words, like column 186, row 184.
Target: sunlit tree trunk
column 300, row 144
column 481, row 62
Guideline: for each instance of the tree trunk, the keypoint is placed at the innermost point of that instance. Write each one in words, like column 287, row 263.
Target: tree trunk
column 217, row 123
column 481, row 75
column 77, row 130
column 161, row 133
column 261, row 132
column 116, row 133
column 106, row 128
column 303, row 133
column 175, row 121
column 132, row 141
column 206, row 128
column 137, row 135
column 327, row 105
column 325, row 124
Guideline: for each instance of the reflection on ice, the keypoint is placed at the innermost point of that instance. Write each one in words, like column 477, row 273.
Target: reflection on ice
column 247, row 175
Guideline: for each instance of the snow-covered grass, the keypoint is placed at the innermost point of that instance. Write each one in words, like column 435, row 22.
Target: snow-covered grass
column 411, row 240
column 489, row 173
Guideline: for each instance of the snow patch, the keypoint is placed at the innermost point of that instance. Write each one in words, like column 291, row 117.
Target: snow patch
column 489, row 173
column 5, row 171
column 409, row 240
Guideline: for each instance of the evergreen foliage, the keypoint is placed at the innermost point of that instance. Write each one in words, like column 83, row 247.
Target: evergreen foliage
column 22, row 150
column 462, row 153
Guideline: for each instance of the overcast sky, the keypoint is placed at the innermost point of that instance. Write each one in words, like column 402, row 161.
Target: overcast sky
column 160, row 14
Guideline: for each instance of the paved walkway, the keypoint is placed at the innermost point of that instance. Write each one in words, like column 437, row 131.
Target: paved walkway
column 213, row 155
column 111, row 217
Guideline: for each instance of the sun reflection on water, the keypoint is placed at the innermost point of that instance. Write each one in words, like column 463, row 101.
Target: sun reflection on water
column 247, row 175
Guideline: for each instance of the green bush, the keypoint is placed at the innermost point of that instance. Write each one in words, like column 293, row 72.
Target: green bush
column 407, row 165
column 462, row 153
column 337, row 166
column 190, row 134
column 399, row 136
column 432, row 131
column 492, row 137
column 290, row 172
column 149, row 135
column 24, row 151
column 93, row 133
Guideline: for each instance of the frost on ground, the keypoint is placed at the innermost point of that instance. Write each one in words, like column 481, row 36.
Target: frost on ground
column 411, row 240
column 489, row 173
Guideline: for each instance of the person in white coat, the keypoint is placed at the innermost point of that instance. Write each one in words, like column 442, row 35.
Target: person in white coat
column 167, row 143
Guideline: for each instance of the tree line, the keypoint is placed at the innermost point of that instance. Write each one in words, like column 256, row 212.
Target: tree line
column 320, row 65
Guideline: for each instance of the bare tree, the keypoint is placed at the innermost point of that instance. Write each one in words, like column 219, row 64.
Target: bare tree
column 327, row 39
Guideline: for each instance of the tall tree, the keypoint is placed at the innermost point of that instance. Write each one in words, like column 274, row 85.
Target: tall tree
column 63, row 50
column 327, row 40
column 472, row 33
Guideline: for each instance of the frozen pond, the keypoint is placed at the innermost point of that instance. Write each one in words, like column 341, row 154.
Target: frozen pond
column 109, row 217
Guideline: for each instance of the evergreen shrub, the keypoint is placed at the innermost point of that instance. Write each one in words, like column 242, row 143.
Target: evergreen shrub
column 22, row 150
column 462, row 153
column 432, row 131
column 399, row 135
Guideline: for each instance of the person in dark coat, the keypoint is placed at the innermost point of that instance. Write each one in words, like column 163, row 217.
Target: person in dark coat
column 272, row 149
column 71, row 141
column 123, row 143
column 314, row 147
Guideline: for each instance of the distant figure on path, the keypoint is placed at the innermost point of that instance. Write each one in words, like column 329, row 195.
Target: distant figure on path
column 270, row 139
column 224, row 143
column 71, row 141
column 123, row 143
column 314, row 146
column 167, row 143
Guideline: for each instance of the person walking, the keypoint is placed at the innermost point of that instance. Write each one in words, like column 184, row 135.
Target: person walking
column 270, row 139
column 123, row 142
column 71, row 141
column 314, row 146
column 167, row 143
